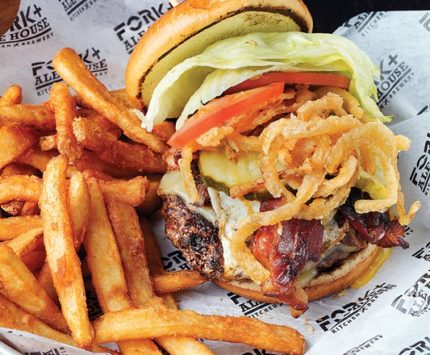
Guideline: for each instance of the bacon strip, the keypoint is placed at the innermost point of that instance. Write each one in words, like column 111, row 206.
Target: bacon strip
column 373, row 227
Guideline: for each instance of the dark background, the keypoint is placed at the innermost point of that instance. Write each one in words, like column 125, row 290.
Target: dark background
column 330, row 14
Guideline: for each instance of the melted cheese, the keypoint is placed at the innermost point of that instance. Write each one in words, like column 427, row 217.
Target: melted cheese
column 172, row 184
column 381, row 258
column 230, row 212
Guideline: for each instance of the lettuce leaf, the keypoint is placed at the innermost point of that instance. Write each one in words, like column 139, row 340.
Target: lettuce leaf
column 199, row 79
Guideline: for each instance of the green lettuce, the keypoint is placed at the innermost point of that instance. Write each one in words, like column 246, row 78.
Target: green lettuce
column 199, row 79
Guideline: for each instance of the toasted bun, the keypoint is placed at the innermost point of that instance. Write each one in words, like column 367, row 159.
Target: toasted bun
column 159, row 49
column 323, row 285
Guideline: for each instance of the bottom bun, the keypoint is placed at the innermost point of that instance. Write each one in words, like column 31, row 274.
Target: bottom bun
column 324, row 284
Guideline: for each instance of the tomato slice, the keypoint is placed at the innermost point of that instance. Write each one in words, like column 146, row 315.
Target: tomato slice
column 220, row 110
column 308, row 78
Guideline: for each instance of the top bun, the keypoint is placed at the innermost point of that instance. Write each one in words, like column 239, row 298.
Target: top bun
column 187, row 29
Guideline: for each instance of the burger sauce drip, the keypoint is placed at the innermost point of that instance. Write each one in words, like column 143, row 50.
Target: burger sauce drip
column 373, row 227
column 284, row 250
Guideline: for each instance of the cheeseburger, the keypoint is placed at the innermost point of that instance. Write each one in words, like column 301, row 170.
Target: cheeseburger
column 282, row 181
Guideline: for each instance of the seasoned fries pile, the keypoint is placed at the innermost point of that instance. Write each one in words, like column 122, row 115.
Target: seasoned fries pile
column 72, row 178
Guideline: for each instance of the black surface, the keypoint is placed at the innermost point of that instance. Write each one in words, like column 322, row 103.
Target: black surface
column 330, row 14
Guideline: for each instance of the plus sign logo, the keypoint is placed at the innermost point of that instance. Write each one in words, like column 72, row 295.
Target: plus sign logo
column 29, row 27
column 365, row 22
column 425, row 21
column 130, row 31
column 45, row 75
column 395, row 74
column 75, row 8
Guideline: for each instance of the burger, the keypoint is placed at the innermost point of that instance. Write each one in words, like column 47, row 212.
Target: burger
column 282, row 182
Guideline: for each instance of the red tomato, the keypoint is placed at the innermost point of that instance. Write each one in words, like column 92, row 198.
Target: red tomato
column 220, row 110
column 318, row 79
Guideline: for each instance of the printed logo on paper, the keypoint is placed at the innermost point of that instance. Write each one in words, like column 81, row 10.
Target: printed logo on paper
column 258, row 352
column 420, row 347
column 364, row 346
column 423, row 253
column 54, row 351
column 249, row 307
column 130, row 31
column 420, row 175
column 364, row 22
column 395, row 74
column 425, row 21
column 175, row 261
column 45, row 75
column 416, row 299
column 342, row 317
column 29, row 27
column 75, row 8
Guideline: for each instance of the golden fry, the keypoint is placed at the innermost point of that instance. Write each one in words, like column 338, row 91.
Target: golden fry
column 107, row 125
column 151, row 323
column 174, row 281
column 152, row 200
column 13, row 317
column 20, row 188
column 126, row 99
column 48, row 142
column 12, row 95
column 89, row 160
column 131, row 246
column 104, row 263
column 135, row 157
column 164, row 130
column 29, row 248
column 14, row 141
column 45, row 280
column 20, row 287
column 36, row 158
column 79, row 206
column 71, row 68
column 64, row 106
column 14, row 226
column 34, row 116
column 179, row 344
column 131, row 192
column 60, row 251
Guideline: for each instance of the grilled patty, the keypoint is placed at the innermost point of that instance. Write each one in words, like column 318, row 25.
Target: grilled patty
column 195, row 236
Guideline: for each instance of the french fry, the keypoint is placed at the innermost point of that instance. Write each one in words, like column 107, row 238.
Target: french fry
column 178, row 344
column 64, row 106
column 105, row 265
column 12, row 95
column 89, row 160
column 20, row 188
column 156, row 322
column 60, row 251
column 174, row 281
column 39, row 117
column 73, row 71
column 13, row 317
column 20, row 287
column 16, row 208
column 107, row 125
column 131, row 192
column 135, row 157
column 44, row 278
column 126, row 99
column 152, row 200
column 48, row 142
column 14, row 226
column 131, row 246
column 36, row 158
column 29, row 248
column 79, row 206
column 14, row 141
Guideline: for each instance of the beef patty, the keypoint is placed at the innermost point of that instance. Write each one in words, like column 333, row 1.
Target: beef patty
column 195, row 236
